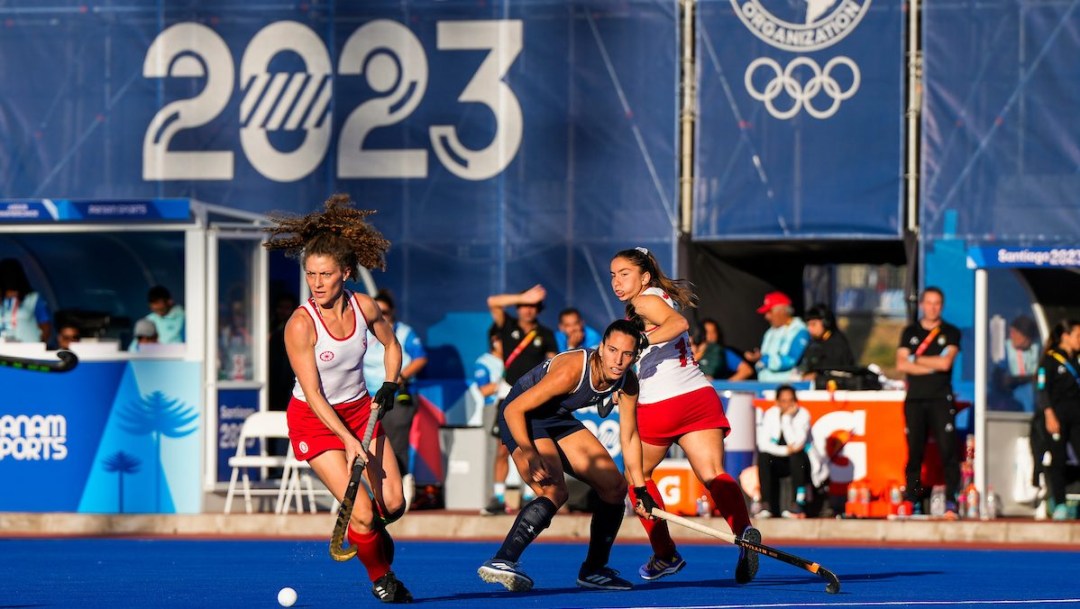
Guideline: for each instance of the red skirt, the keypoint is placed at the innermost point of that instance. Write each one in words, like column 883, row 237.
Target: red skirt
column 310, row 437
column 663, row 422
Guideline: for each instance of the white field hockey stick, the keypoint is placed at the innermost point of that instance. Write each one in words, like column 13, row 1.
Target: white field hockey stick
column 341, row 525
column 832, row 587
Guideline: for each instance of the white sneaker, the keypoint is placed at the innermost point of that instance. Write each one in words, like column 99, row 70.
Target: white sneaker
column 764, row 514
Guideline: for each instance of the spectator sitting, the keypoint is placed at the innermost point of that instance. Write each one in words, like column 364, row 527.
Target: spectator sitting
column 1012, row 378
column 573, row 333
column 24, row 316
column 166, row 315
column 145, row 333
column 66, row 333
column 716, row 360
column 783, row 444
column 784, row 342
column 829, row 348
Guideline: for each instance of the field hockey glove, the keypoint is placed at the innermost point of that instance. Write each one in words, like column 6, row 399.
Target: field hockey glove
column 645, row 499
column 385, row 398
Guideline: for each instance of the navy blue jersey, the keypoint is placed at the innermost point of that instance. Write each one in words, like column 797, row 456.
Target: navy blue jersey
column 583, row 396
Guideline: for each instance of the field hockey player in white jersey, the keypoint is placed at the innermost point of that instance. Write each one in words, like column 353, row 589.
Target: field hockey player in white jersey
column 677, row 405
column 326, row 339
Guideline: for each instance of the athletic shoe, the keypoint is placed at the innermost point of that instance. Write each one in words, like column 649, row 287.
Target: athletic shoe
column 747, row 567
column 498, row 571
column 764, row 514
column 795, row 511
column 389, row 589
column 495, row 506
column 1061, row 512
column 951, row 511
column 661, row 567
column 604, row 578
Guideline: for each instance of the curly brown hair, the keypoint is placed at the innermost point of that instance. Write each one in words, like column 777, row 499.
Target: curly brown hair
column 339, row 231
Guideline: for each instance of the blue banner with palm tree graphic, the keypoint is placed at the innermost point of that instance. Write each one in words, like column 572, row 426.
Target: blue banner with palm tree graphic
column 108, row 437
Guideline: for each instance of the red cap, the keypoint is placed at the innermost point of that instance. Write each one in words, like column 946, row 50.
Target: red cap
column 774, row 299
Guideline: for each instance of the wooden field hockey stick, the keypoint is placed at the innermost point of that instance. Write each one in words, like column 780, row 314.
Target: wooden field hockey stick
column 341, row 525
column 66, row 362
column 832, row 587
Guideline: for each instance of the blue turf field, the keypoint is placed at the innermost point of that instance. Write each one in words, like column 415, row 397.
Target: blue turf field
column 188, row 574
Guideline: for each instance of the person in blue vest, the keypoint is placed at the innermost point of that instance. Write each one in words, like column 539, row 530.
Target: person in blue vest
column 24, row 315
column 397, row 422
column 784, row 342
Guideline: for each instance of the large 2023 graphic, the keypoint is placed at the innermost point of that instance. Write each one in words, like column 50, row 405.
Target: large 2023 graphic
column 387, row 54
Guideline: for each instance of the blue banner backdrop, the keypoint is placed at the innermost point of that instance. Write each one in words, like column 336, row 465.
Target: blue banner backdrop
column 503, row 144
column 107, row 437
column 801, row 119
column 1001, row 142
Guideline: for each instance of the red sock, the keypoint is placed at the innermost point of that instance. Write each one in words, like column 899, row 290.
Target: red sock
column 657, row 530
column 371, row 552
column 728, row 498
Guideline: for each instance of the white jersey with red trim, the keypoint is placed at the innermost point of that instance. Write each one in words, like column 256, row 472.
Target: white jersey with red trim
column 668, row 369
column 340, row 360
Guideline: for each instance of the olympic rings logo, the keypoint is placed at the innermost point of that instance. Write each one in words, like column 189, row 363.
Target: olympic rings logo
column 821, row 82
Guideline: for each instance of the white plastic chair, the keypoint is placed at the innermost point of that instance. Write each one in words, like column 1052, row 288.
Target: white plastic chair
column 296, row 474
column 291, row 483
column 261, row 426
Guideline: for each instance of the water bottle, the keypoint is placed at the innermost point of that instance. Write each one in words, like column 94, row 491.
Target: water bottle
column 703, row 507
column 971, row 512
column 993, row 504
column 937, row 501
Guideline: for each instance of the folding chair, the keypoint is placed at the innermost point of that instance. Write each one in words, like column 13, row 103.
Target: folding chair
column 261, row 426
column 298, row 473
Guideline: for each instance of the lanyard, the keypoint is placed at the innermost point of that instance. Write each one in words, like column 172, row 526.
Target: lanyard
column 521, row 347
column 14, row 312
column 1068, row 366
column 926, row 341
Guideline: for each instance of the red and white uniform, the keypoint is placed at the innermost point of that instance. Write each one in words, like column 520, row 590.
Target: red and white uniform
column 676, row 397
column 340, row 361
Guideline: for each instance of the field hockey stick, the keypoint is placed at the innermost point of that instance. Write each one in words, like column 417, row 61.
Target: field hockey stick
column 341, row 525
column 66, row 363
column 832, row 587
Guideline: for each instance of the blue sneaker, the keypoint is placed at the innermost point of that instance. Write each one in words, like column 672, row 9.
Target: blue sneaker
column 747, row 567
column 604, row 578
column 660, row 567
column 498, row 571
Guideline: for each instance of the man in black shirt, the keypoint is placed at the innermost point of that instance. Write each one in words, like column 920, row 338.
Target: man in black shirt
column 828, row 349
column 525, row 344
column 926, row 354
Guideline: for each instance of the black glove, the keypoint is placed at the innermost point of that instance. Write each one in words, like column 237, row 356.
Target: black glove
column 645, row 499
column 384, row 398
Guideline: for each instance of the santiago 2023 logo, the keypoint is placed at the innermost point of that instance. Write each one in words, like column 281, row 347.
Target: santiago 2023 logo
column 802, row 25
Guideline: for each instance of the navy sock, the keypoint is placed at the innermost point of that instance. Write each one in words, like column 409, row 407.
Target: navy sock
column 606, row 520
column 533, row 518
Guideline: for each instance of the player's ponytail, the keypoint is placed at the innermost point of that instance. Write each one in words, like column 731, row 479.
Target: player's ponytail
column 680, row 290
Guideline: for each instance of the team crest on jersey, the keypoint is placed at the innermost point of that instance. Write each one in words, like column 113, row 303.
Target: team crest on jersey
column 914, row 340
column 303, row 447
column 810, row 25
column 326, row 356
column 537, row 342
column 941, row 341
